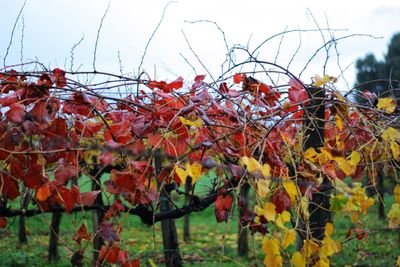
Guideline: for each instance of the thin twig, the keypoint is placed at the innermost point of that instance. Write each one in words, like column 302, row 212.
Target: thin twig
column 98, row 35
column 12, row 33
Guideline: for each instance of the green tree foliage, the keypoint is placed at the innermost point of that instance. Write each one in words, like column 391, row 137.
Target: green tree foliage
column 380, row 77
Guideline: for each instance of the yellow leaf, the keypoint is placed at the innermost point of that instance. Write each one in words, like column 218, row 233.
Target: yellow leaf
column 398, row 261
column 322, row 263
column 289, row 238
column 328, row 229
column 355, row 158
column 391, row 134
column 327, row 153
column 394, row 146
column 270, row 246
column 263, row 188
column 291, row 189
column 310, row 247
column 344, row 166
column 251, row 164
column 324, row 80
column 339, row 122
column 394, row 215
column 194, row 170
column 273, row 260
column 322, row 158
column 182, row 174
column 198, row 123
column 269, row 211
column 387, row 104
column 304, row 206
column 151, row 262
column 282, row 218
column 298, row 259
column 311, row 154
column 266, row 170
column 396, row 193
column 329, row 247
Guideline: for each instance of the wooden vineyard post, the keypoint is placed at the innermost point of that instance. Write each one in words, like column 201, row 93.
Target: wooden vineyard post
column 170, row 236
column 243, row 243
column 98, row 215
column 319, row 207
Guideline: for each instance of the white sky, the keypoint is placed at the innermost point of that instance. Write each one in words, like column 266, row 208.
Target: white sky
column 52, row 27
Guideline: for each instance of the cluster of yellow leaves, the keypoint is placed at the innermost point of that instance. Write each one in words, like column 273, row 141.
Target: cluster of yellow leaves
column 269, row 213
column 254, row 166
column 327, row 248
column 355, row 200
column 198, row 123
column 272, row 252
column 394, row 213
column 321, row 81
column 391, row 135
column 193, row 170
column 387, row 104
column 271, row 247
column 348, row 166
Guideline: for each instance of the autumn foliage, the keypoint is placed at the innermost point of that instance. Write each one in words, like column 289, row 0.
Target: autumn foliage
column 54, row 129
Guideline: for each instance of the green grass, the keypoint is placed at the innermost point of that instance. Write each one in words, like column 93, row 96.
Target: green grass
column 213, row 244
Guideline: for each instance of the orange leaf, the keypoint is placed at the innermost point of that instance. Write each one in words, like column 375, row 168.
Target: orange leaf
column 43, row 192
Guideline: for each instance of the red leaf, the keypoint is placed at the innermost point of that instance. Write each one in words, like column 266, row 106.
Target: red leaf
column 155, row 139
column 114, row 210
column 67, row 197
column 59, row 77
column 236, row 170
column 198, row 81
column 65, row 172
column 44, row 81
column 223, row 205
column 131, row 263
column 199, row 78
column 82, row 233
column 8, row 81
column 238, row 78
column 108, row 254
column 223, row 87
column 9, row 100
column 8, row 186
column 3, row 222
column 296, row 84
column 34, row 177
column 281, row 200
column 16, row 113
column 89, row 128
column 107, row 157
column 178, row 83
column 298, row 95
column 166, row 88
column 107, row 232
column 87, row 198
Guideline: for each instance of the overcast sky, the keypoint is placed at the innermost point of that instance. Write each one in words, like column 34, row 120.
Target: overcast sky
column 50, row 28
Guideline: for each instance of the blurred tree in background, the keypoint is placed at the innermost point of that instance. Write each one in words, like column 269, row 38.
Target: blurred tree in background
column 380, row 77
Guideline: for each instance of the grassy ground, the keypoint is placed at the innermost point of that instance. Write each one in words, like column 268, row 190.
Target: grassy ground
column 212, row 244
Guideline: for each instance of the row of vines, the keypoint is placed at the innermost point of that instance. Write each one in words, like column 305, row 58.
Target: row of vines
column 291, row 143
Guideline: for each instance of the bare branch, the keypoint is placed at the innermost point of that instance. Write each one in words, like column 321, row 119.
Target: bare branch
column 98, row 35
column 12, row 33
column 152, row 36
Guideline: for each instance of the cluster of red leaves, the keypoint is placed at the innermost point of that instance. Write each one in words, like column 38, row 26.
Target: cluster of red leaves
column 44, row 135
